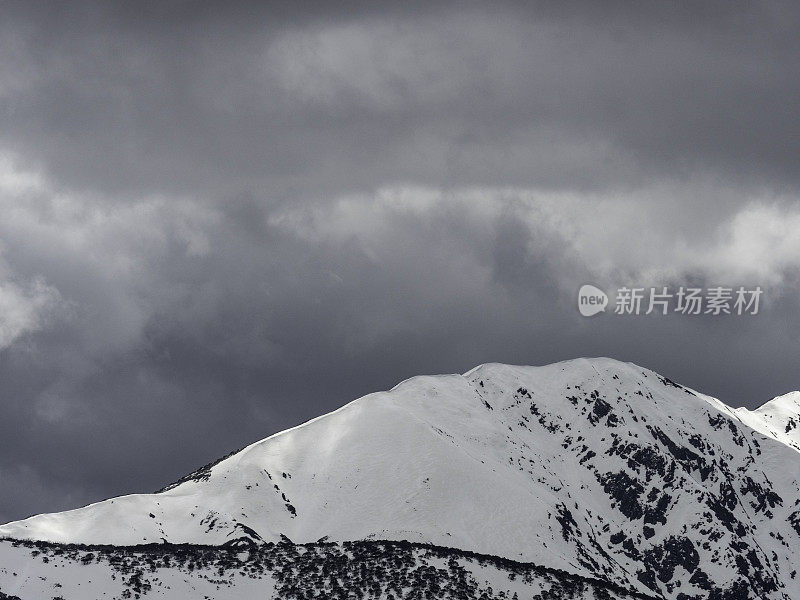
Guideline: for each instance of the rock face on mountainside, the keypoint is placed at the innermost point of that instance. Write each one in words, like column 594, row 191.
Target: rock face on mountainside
column 593, row 467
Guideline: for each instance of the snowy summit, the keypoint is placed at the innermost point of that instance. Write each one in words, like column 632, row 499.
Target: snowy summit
column 602, row 470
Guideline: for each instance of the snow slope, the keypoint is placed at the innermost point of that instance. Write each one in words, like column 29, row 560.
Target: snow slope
column 779, row 418
column 593, row 466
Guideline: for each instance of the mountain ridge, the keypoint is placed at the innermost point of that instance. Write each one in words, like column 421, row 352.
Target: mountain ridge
column 597, row 467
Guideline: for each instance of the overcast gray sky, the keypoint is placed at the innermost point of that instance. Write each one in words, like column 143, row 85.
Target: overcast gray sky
column 218, row 220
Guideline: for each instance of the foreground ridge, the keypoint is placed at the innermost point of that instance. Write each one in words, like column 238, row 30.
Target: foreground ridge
column 373, row 569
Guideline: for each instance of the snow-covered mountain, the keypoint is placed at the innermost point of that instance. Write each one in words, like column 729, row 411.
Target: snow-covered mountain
column 593, row 467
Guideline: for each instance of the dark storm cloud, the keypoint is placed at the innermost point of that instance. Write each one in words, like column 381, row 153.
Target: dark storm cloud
column 181, row 95
column 219, row 221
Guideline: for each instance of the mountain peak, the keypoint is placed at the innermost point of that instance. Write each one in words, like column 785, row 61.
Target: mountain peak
column 593, row 466
column 788, row 403
column 778, row 418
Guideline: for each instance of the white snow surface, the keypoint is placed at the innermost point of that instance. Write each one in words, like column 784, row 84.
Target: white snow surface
column 553, row 465
column 779, row 419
